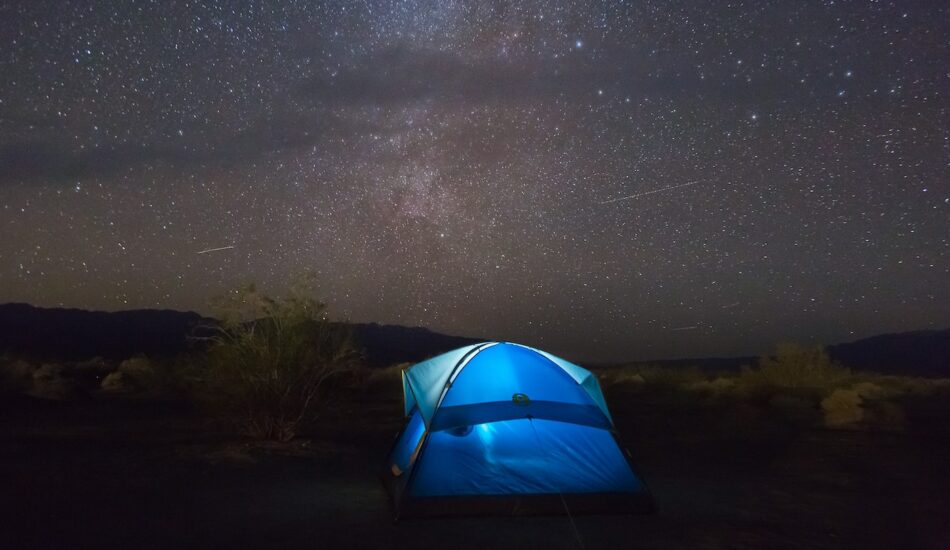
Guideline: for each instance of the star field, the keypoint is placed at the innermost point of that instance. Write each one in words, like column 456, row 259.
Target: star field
column 607, row 181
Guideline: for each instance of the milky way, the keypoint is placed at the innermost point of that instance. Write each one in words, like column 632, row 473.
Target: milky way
column 460, row 165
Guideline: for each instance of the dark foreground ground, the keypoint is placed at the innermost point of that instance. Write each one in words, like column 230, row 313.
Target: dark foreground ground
column 127, row 473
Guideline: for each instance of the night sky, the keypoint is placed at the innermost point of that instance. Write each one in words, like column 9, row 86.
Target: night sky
column 606, row 181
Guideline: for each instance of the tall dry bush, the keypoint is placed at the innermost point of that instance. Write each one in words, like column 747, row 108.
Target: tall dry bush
column 793, row 369
column 271, row 360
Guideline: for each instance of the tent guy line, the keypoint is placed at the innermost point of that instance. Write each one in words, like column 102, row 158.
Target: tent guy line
column 618, row 199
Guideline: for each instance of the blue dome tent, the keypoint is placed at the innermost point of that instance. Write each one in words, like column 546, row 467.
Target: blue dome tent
column 501, row 428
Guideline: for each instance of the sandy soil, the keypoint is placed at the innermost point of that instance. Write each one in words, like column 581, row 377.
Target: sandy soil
column 130, row 473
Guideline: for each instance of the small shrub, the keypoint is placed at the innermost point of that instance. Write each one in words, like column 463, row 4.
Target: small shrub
column 719, row 386
column 619, row 376
column 842, row 408
column 117, row 382
column 906, row 385
column 606, row 377
column 16, row 375
column 138, row 368
column 49, row 383
column 653, row 377
column 872, row 391
column 635, row 379
column 142, row 375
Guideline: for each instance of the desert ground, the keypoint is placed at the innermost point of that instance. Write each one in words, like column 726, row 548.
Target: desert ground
column 125, row 471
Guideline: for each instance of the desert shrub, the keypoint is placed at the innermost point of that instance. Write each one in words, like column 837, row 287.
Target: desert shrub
column 879, row 401
column 610, row 377
column 133, row 374
column 115, row 382
column 672, row 377
column 138, row 368
column 911, row 386
column 864, row 405
column 842, row 408
column 634, row 378
column 793, row 369
column 270, row 360
column 16, row 375
column 142, row 375
column 872, row 391
column 653, row 377
column 718, row 386
column 49, row 382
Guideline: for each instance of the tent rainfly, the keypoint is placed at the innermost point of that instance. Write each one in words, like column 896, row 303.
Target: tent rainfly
column 500, row 428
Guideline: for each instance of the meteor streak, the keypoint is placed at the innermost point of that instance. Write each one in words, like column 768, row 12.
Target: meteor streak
column 651, row 192
column 216, row 249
